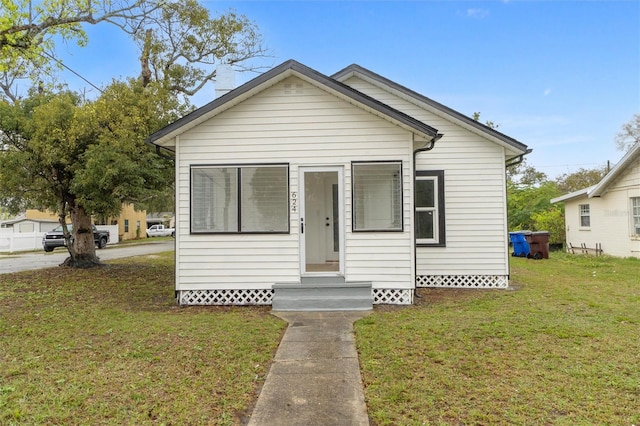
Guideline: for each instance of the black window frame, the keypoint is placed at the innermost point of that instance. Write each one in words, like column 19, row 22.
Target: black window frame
column 438, row 176
column 238, row 168
column 354, row 164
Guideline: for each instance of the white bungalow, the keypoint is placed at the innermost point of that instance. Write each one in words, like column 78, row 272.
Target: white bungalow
column 606, row 216
column 306, row 191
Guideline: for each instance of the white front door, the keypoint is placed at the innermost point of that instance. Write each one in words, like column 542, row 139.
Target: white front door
column 321, row 220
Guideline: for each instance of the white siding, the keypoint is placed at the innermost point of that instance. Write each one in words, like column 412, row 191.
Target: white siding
column 475, row 195
column 611, row 224
column 306, row 127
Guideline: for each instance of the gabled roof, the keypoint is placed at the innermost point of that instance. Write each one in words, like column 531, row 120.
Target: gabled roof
column 433, row 106
column 164, row 137
column 572, row 195
column 24, row 219
column 629, row 159
column 602, row 187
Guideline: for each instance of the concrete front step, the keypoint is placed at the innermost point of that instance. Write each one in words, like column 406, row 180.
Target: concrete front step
column 323, row 296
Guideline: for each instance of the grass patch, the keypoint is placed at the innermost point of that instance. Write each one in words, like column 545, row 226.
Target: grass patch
column 562, row 349
column 109, row 346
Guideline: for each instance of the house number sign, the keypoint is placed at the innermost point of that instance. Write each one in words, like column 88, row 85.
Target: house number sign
column 294, row 202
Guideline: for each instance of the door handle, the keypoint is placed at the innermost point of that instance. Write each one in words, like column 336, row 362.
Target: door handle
column 302, row 225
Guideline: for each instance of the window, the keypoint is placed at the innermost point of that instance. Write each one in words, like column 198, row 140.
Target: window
column 585, row 216
column 126, row 225
column 248, row 199
column 429, row 205
column 377, row 196
column 635, row 215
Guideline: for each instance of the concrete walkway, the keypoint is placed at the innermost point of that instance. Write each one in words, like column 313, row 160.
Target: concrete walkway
column 315, row 377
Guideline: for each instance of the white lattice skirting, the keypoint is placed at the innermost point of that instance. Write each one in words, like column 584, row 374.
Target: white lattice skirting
column 463, row 281
column 392, row 296
column 384, row 296
column 260, row 296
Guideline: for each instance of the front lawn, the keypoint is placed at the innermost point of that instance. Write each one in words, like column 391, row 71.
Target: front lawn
column 109, row 346
column 563, row 348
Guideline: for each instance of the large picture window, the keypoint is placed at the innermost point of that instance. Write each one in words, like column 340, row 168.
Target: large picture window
column 377, row 196
column 247, row 199
column 429, row 208
column 585, row 216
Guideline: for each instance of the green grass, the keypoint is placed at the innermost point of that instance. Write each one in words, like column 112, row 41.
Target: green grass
column 562, row 349
column 109, row 346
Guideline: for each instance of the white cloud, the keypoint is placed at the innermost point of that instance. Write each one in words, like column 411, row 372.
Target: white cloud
column 477, row 13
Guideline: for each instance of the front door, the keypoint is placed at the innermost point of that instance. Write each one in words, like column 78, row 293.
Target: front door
column 321, row 220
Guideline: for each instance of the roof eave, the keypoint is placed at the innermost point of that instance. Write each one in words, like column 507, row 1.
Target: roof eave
column 601, row 188
column 436, row 107
column 571, row 195
column 165, row 137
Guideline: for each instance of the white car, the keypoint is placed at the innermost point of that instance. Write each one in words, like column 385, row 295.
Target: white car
column 160, row 231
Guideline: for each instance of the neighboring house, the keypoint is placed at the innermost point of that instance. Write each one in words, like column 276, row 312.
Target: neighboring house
column 22, row 224
column 163, row 218
column 131, row 222
column 606, row 216
column 296, row 180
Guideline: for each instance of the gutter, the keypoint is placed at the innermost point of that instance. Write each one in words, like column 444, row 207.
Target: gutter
column 428, row 147
column 161, row 154
column 517, row 160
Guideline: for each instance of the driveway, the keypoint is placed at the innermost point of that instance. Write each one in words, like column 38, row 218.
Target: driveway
column 27, row 261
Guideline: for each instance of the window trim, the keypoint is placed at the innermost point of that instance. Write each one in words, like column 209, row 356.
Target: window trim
column 438, row 176
column 353, row 194
column 635, row 229
column 581, row 215
column 238, row 168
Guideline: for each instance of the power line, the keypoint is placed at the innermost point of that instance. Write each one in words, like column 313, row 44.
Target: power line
column 571, row 165
column 74, row 72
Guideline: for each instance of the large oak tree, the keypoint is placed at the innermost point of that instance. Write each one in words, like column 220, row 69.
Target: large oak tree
column 82, row 157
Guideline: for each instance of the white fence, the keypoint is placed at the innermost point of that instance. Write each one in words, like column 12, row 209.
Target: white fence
column 26, row 241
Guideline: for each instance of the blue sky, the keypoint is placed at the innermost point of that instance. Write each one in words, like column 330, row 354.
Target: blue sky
column 559, row 76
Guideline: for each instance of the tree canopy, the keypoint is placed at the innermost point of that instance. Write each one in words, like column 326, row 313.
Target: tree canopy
column 180, row 42
column 81, row 158
column 29, row 31
column 530, row 191
column 629, row 134
column 85, row 157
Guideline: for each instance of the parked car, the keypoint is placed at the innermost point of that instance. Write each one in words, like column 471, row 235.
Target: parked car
column 160, row 231
column 55, row 238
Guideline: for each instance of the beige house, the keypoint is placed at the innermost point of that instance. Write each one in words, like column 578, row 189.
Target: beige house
column 296, row 181
column 606, row 216
column 131, row 222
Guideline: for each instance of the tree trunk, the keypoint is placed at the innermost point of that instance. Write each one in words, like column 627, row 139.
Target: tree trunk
column 144, row 58
column 83, row 253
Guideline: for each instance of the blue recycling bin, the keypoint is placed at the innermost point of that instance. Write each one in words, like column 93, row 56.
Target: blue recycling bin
column 520, row 245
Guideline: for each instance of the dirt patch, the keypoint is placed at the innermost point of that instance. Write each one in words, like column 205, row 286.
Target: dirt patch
column 433, row 296
column 430, row 296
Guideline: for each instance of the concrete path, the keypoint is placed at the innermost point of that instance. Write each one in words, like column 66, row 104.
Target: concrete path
column 315, row 377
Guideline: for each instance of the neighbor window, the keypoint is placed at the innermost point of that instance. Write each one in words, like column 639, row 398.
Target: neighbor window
column 585, row 216
column 635, row 214
column 251, row 199
column 429, row 205
column 377, row 196
column 126, row 225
